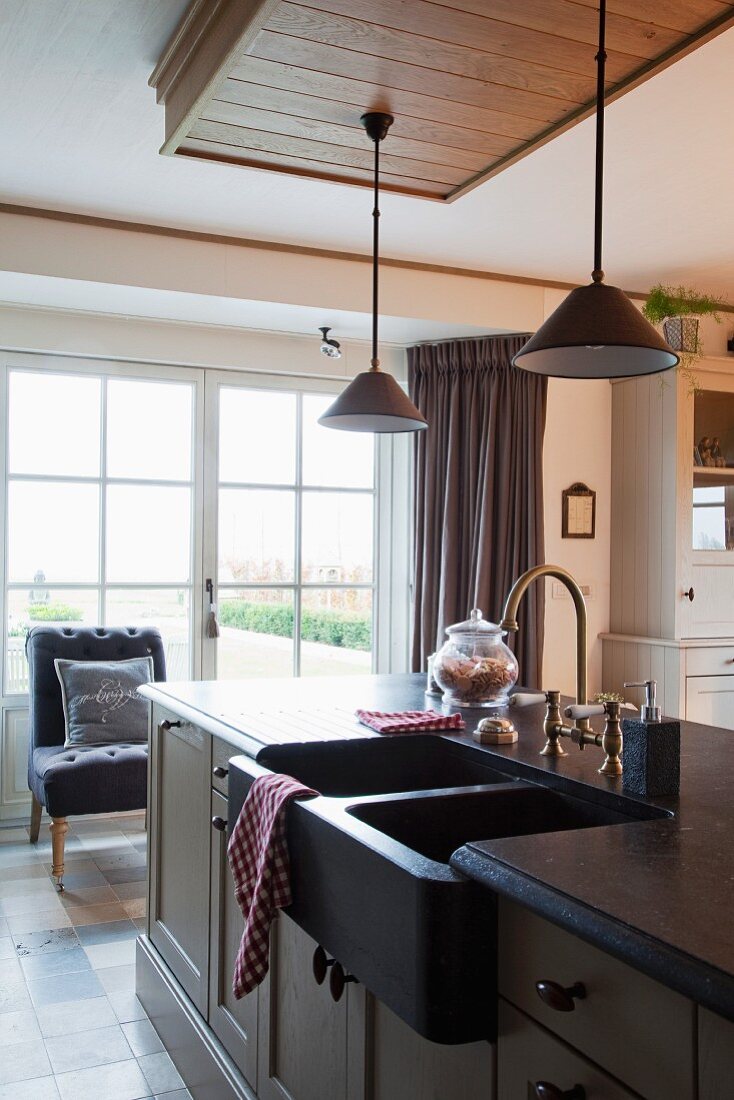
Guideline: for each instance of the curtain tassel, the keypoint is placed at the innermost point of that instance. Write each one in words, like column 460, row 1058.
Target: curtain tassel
column 212, row 626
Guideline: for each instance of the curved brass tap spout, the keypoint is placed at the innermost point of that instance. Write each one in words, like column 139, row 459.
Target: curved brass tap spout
column 509, row 618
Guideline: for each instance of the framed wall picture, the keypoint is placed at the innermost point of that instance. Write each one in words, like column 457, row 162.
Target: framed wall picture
column 579, row 512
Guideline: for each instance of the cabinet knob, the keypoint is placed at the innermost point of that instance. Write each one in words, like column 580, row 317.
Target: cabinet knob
column 219, row 824
column 166, row 725
column 689, row 594
column 338, row 979
column 545, row 1091
column 559, row 997
column 219, row 772
column 321, row 963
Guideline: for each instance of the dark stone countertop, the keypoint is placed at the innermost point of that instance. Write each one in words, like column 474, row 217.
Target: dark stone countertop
column 657, row 894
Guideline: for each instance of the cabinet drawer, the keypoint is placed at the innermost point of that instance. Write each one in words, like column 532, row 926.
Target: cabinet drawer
column 222, row 752
column 710, row 661
column 638, row 1030
column 710, row 700
column 527, row 1054
column 715, row 1056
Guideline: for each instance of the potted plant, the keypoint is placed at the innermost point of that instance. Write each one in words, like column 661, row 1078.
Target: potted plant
column 678, row 309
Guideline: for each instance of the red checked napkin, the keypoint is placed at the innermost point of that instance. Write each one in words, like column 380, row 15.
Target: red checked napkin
column 405, row 721
column 258, row 856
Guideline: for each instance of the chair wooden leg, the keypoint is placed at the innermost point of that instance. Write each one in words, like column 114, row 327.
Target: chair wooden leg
column 59, row 828
column 36, row 811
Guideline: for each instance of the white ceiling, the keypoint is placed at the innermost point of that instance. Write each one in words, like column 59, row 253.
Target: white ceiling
column 80, row 131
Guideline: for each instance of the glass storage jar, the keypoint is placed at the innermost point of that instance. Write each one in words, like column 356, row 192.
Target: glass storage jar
column 474, row 667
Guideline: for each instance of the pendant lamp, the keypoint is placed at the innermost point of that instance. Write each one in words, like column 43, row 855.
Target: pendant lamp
column 373, row 401
column 596, row 332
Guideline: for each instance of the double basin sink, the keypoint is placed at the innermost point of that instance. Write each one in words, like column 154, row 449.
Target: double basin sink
column 370, row 865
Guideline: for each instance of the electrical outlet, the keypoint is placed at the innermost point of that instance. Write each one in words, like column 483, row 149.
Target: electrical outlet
column 560, row 592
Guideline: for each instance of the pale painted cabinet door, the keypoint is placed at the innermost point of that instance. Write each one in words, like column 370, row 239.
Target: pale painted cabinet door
column 233, row 1022
column 399, row 1064
column 710, row 699
column 527, row 1054
column 715, row 1056
column 179, row 823
column 302, row 1032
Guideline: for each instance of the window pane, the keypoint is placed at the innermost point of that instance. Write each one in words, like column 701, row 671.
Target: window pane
column 256, row 633
column 336, row 632
column 149, row 430
column 35, row 606
column 344, row 459
column 709, row 528
column 54, row 424
column 257, row 436
column 256, row 535
column 148, row 533
column 337, row 538
column 53, row 531
column 165, row 608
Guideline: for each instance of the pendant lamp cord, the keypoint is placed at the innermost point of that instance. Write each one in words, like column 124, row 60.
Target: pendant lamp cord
column 375, row 362
column 598, row 274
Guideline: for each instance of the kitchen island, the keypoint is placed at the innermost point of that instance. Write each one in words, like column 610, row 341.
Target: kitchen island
column 644, row 907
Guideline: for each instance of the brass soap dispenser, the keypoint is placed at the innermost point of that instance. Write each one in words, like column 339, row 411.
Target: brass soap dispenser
column 651, row 749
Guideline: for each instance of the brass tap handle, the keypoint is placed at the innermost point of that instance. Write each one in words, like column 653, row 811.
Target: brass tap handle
column 611, row 741
column 544, row 1090
column 558, row 997
column 552, row 725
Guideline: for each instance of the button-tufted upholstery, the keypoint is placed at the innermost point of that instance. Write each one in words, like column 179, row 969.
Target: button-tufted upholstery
column 85, row 779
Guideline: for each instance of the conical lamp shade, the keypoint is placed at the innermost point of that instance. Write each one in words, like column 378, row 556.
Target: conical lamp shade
column 373, row 402
column 596, row 332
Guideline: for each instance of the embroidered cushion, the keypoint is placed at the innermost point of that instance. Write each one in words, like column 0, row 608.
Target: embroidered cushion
column 101, row 701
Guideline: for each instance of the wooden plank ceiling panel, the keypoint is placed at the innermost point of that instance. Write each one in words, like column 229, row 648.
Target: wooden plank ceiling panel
column 474, row 84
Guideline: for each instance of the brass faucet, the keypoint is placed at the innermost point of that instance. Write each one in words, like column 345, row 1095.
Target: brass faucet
column 554, row 729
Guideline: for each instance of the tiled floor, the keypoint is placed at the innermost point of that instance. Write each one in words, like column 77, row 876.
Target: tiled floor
column 71, row 1027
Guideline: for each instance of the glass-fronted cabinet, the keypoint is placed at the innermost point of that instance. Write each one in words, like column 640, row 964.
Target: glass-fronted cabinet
column 713, row 471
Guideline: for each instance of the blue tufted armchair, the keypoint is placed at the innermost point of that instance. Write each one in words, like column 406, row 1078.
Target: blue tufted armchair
column 84, row 779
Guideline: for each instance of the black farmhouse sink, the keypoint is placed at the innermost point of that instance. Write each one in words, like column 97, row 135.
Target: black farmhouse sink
column 382, row 765
column 370, row 866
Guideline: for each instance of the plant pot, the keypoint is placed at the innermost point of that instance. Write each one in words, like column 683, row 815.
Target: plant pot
column 682, row 333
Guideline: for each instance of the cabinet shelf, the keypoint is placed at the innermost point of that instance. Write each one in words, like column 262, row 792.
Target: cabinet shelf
column 711, row 475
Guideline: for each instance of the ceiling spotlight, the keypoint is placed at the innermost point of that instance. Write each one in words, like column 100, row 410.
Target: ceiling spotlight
column 329, row 346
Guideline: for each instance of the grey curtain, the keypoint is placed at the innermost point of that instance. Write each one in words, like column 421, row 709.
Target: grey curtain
column 478, row 491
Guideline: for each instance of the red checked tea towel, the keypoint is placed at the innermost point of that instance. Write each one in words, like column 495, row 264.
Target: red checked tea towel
column 407, row 721
column 258, row 856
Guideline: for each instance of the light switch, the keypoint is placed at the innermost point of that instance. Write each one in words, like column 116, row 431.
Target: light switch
column 560, row 592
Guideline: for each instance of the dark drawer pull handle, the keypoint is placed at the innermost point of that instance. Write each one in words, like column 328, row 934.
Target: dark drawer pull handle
column 561, row 998
column 689, row 595
column 219, row 824
column 219, row 772
column 545, row 1091
column 338, row 979
column 321, row 963
column 166, row 725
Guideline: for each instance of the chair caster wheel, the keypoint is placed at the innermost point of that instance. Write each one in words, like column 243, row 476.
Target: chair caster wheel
column 60, row 887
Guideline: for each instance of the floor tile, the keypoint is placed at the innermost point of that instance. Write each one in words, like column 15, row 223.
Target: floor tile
column 118, row 860
column 19, row 1027
column 126, row 891
column 126, row 1006
column 97, row 914
column 4, row 930
column 49, row 963
column 41, row 921
column 14, row 996
column 135, row 907
column 28, row 870
column 115, row 954
column 13, row 834
column 142, row 1037
column 31, row 903
column 179, row 1094
column 110, row 932
column 88, row 1048
column 10, row 970
column 69, row 1017
column 126, row 874
column 49, row 941
column 140, row 843
column 89, row 895
column 118, row 1081
column 43, row 1088
column 160, row 1072
column 24, row 1062
column 117, row 979
column 27, row 887
column 75, row 880
column 7, row 947
column 65, row 987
